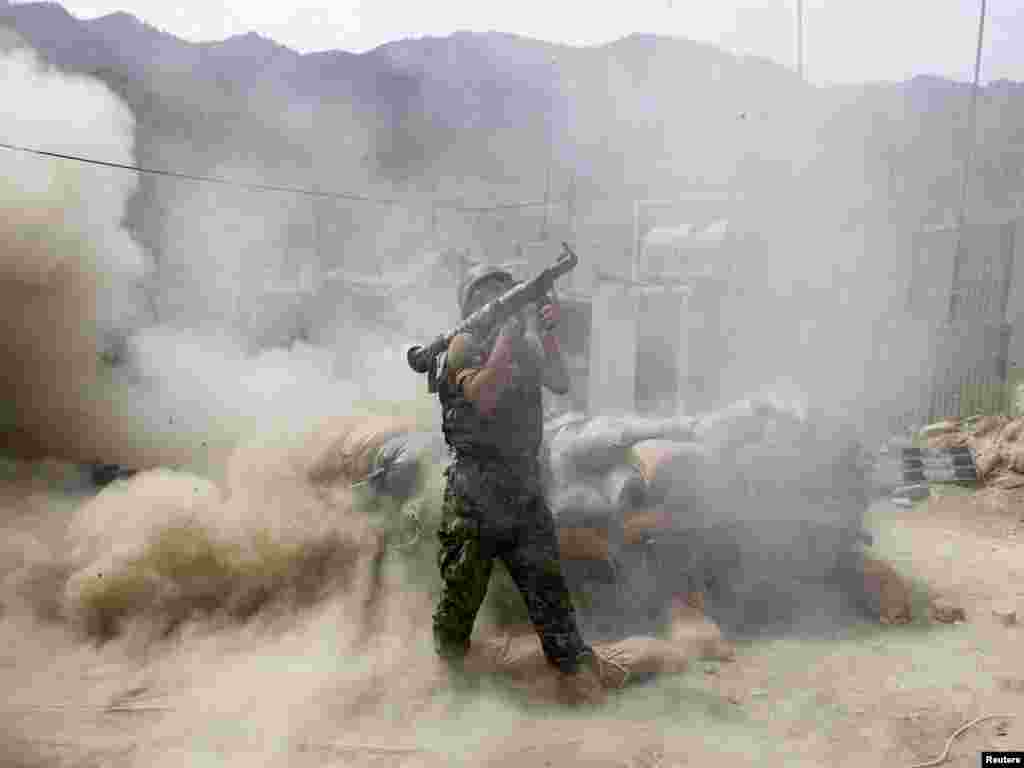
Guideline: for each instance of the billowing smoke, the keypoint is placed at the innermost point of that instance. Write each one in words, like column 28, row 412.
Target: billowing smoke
column 95, row 374
column 114, row 358
column 218, row 360
column 69, row 272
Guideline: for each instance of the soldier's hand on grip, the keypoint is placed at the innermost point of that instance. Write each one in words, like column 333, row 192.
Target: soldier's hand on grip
column 550, row 314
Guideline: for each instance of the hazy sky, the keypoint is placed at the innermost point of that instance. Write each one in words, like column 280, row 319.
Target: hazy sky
column 846, row 40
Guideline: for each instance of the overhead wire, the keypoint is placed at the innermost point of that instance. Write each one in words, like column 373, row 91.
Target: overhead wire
column 263, row 187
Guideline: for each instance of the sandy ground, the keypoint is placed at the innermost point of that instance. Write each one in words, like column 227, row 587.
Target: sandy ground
column 869, row 695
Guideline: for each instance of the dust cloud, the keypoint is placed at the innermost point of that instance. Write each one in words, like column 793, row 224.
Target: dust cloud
column 267, row 615
column 99, row 369
column 304, row 625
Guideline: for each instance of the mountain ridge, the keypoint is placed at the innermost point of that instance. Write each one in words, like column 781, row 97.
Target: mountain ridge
column 645, row 114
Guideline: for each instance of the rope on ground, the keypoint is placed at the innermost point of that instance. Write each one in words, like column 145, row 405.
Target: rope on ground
column 349, row 748
column 949, row 743
column 411, row 543
column 110, row 708
column 412, row 513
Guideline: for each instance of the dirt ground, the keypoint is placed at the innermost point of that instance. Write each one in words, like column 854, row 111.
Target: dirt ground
column 869, row 695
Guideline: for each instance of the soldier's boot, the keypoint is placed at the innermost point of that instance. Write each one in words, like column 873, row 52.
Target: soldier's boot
column 583, row 687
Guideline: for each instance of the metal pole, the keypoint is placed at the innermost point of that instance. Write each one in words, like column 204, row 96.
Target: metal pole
column 959, row 254
column 547, row 202
column 571, row 208
column 551, row 150
column 318, row 258
column 433, row 211
column 636, row 241
column 571, row 280
column 800, row 38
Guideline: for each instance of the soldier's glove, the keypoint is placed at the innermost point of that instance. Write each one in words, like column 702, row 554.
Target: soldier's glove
column 550, row 314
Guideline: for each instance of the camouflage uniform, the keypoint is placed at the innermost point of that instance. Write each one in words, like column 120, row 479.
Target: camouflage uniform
column 494, row 507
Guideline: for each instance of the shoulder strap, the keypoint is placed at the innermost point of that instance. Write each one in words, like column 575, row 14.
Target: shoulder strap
column 438, row 373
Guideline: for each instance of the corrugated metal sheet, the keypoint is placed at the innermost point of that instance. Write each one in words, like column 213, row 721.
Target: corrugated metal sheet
column 969, row 355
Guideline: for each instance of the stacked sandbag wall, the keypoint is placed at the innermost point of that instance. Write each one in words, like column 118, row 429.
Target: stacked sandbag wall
column 762, row 499
column 598, row 483
column 610, row 490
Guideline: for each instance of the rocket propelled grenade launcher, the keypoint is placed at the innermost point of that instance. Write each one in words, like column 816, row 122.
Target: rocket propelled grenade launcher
column 424, row 359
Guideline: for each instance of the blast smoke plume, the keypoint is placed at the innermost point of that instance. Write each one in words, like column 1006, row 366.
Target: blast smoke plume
column 275, row 612
column 75, row 285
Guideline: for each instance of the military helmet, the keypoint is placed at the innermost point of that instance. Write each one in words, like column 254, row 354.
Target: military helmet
column 476, row 276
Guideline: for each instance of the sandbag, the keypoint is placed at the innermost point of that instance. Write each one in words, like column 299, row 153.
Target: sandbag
column 940, row 428
column 1007, row 481
column 1014, row 457
column 586, row 448
column 584, row 543
column 637, row 525
column 625, row 488
column 998, row 454
column 650, row 455
column 949, row 440
column 581, row 504
column 634, row 659
column 520, row 660
column 986, row 461
column 671, row 469
column 518, row 656
column 887, row 590
column 588, row 525
column 1011, row 432
column 394, row 467
column 347, row 447
column 740, row 423
column 599, row 444
column 637, row 659
column 637, row 428
column 988, row 425
column 697, row 637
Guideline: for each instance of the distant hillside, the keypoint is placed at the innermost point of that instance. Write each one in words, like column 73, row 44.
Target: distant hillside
column 481, row 117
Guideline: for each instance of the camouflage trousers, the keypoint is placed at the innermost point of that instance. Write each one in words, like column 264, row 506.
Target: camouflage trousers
column 488, row 514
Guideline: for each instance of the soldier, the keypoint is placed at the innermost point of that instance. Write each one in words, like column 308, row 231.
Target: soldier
column 490, row 392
